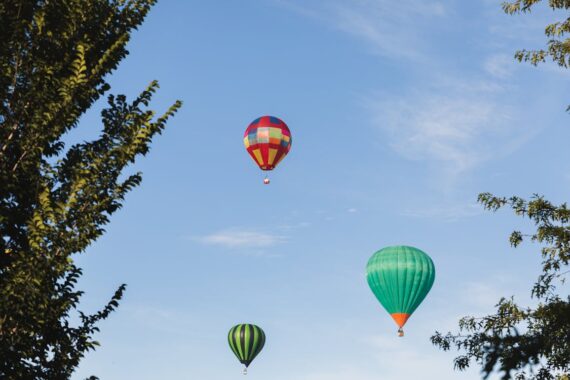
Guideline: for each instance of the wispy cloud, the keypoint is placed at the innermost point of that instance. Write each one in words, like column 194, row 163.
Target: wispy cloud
column 343, row 374
column 454, row 122
column 424, row 363
column 500, row 65
column 392, row 29
column 294, row 226
column 454, row 125
column 162, row 320
column 446, row 212
column 396, row 359
column 241, row 238
column 456, row 131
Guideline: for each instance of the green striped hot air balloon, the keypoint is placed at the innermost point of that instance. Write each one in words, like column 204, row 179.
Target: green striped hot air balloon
column 400, row 277
column 246, row 341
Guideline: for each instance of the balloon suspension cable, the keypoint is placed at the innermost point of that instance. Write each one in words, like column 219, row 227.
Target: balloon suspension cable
column 400, row 332
column 245, row 371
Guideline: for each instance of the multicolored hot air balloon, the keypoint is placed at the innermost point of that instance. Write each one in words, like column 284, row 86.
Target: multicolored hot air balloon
column 267, row 140
column 400, row 277
column 246, row 341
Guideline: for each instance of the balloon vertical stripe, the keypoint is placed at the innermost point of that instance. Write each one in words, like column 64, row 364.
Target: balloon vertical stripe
column 231, row 339
column 250, row 340
column 242, row 342
column 246, row 342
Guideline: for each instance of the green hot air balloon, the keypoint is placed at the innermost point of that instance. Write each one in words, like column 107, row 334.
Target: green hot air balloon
column 400, row 277
column 246, row 341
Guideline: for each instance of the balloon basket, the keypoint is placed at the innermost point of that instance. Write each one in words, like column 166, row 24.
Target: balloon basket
column 245, row 371
column 400, row 332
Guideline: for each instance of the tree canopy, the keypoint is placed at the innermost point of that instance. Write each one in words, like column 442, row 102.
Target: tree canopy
column 524, row 342
column 527, row 342
column 558, row 47
column 55, row 200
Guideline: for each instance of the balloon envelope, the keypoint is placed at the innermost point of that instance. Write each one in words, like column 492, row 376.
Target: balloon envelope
column 400, row 277
column 267, row 140
column 246, row 341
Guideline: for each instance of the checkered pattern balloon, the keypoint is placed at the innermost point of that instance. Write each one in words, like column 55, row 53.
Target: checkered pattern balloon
column 267, row 140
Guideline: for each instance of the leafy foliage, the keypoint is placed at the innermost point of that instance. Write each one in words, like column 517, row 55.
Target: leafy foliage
column 55, row 202
column 527, row 342
column 516, row 339
column 558, row 46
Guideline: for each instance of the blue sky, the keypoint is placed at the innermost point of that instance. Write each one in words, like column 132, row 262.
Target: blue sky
column 401, row 113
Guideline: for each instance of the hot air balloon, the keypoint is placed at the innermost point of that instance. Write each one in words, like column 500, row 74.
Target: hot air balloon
column 246, row 341
column 400, row 277
column 267, row 140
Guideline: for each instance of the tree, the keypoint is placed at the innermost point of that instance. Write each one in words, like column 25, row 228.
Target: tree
column 527, row 342
column 558, row 47
column 55, row 56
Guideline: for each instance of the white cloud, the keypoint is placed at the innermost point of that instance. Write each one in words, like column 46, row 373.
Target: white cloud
column 392, row 29
column 500, row 65
column 454, row 123
column 371, row 26
column 448, row 212
column 456, row 131
column 393, row 358
column 484, row 295
column 241, row 238
column 161, row 320
column 421, row 363
column 294, row 226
